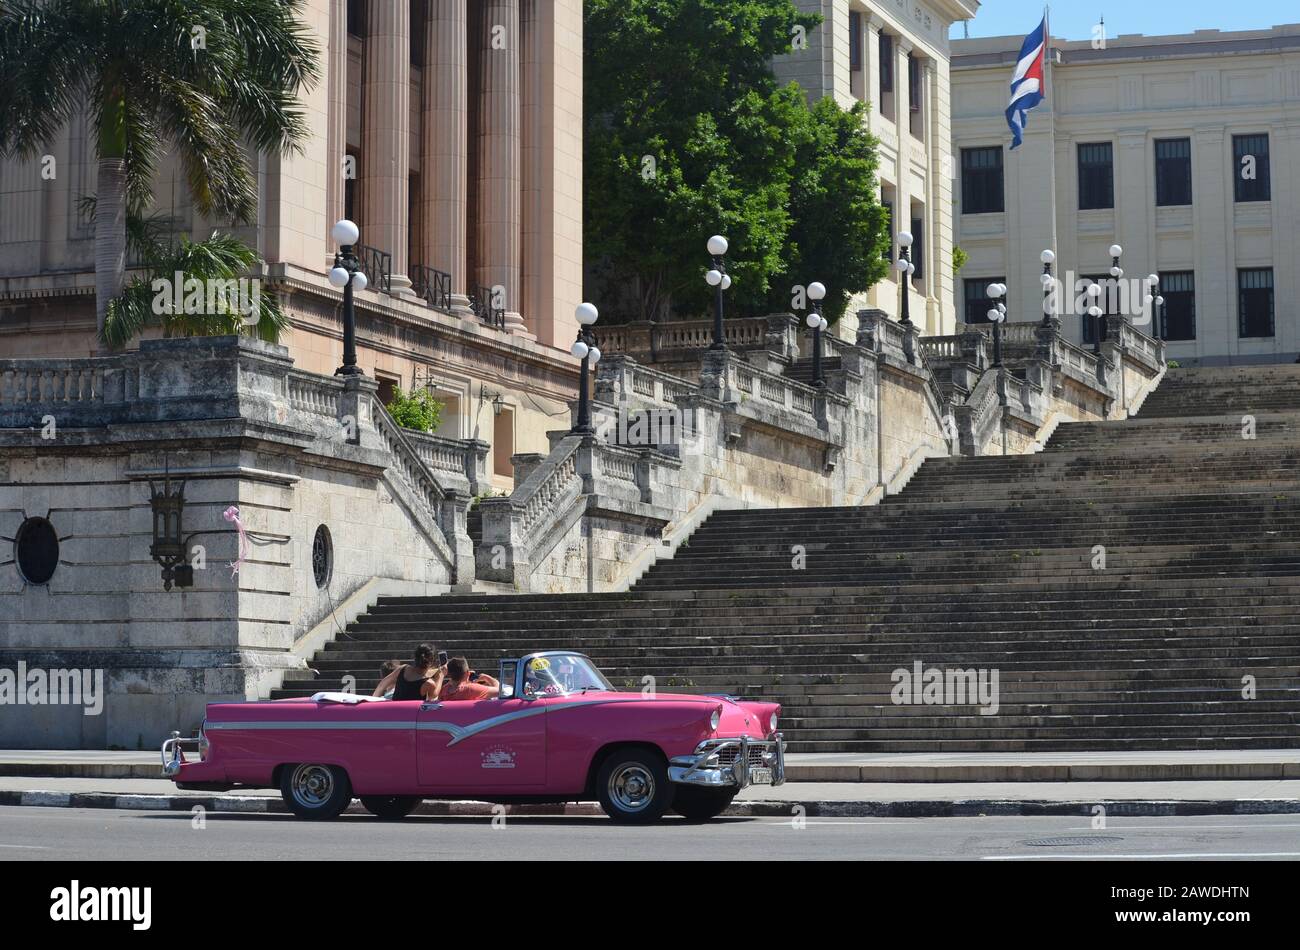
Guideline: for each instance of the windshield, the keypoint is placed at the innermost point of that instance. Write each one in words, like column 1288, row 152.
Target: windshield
column 558, row 674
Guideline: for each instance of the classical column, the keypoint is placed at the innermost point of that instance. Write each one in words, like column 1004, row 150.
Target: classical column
column 445, row 146
column 386, row 134
column 871, row 63
column 500, row 159
column 336, row 119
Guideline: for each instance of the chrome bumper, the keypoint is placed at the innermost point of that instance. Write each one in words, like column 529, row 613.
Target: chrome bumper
column 172, row 759
column 710, row 766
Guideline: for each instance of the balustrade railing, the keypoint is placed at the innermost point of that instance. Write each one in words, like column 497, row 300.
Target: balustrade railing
column 480, row 301
column 433, row 286
column 377, row 265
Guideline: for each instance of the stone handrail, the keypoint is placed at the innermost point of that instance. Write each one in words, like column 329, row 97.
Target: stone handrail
column 767, row 387
column 310, row 392
column 539, row 496
column 1145, row 347
column 406, row 459
column 638, row 339
column 1069, row 354
column 463, row 460
column 941, row 348
column 1019, row 333
column 62, row 382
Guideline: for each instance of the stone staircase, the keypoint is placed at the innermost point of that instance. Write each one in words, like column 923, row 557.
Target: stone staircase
column 1125, row 584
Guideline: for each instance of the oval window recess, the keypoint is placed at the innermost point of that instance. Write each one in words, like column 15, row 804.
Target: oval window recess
column 36, row 551
column 322, row 557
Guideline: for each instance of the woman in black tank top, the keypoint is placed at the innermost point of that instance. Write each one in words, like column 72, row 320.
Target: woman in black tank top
column 405, row 686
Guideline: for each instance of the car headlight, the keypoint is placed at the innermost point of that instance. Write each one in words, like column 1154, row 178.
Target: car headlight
column 715, row 719
column 771, row 726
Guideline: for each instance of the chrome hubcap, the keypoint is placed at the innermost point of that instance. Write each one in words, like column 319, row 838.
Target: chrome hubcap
column 631, row 787
column 312, row 785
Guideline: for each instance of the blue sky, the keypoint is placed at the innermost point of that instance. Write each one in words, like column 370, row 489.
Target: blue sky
column 1073, row 19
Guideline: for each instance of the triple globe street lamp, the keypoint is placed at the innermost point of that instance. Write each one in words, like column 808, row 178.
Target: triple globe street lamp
column 585, row 348
column 818, row 323
column 718, row 278
column 347, row 274
column 905, row 269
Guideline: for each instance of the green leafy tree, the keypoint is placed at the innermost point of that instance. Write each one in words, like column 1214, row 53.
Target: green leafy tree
column 200, row 76
column 416, row 410
column 839, row 229
column 688, row 134
column 959, row 259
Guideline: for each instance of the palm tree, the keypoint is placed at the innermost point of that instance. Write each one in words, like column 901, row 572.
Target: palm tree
column 200, row 76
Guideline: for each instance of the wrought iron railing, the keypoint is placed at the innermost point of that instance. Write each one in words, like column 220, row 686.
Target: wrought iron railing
column 377, row 265
column 433, row 286
column 480, row 301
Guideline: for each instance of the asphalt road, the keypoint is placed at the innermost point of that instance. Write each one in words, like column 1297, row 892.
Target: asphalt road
column 28, row 833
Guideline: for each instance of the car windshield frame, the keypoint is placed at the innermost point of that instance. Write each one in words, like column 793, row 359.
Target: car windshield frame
column 602, row 684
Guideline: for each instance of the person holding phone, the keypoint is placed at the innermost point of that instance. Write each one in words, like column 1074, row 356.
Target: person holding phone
column 463, row 683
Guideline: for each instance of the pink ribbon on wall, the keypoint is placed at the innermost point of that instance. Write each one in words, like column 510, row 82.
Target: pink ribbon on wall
column 231, row 514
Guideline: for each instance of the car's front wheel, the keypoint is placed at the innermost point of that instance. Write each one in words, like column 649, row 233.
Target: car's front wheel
column 633, row 786
column 317, row 792
column 701, row 804
column 391, row 807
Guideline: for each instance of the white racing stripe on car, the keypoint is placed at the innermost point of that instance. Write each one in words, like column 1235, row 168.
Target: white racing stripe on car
column 458, row 733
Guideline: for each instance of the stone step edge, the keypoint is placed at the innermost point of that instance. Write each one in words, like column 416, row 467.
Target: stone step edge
column 792, row 809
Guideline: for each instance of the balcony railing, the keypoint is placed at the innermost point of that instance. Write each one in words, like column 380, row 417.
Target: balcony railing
column 377, row 265
column 433, row 286
column 480, row 301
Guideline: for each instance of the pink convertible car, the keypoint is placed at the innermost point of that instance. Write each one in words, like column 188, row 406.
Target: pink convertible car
column 558, row 733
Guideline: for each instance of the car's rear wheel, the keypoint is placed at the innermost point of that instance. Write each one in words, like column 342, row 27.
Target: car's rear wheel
column 632, row 785
column 701, row 804
column 391, row 807
column 317, row 792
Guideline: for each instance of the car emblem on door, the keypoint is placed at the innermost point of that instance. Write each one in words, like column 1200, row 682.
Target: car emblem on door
column 498, row 757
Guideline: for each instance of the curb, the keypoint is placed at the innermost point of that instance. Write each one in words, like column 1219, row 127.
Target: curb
column 971, row 808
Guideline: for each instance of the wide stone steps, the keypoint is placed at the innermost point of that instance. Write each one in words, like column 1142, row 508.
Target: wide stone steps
column 980, row 564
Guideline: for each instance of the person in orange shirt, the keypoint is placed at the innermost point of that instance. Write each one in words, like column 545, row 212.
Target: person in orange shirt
column 460, row 687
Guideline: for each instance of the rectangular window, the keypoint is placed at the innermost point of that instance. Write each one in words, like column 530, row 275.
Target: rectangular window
column 1177, row 318
column 981, row 180
column 918, row 248
column 350, row 210
column 1096, row 176
column 1108, row 301
column 1251, row 173
column 913, row 83
column 977, row 297
column 855, row 41
column 1173, row 172
column 1255, row 302
column 887, row 64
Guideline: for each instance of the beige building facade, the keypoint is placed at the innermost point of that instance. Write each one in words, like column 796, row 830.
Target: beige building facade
column 1182, row 149
column 894, row 55
column 451, row 132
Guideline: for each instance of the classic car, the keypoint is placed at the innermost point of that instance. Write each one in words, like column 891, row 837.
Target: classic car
column 559, row 732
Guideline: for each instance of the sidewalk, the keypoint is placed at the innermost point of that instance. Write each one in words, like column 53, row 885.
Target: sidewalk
column 817, row 799
column 831, row 767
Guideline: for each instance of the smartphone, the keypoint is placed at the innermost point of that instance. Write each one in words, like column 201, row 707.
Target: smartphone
column 442, row 657
column 473, row 677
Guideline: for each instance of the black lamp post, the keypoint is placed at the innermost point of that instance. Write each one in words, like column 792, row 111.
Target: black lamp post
column 718, row 278
column 997, row 314
column 1095, row 311
column 347, row 274
column 817, row 293
column 585, row 349
column 1156, row 302
column 905, row 269
column 1048, row 257
column 1116, row 272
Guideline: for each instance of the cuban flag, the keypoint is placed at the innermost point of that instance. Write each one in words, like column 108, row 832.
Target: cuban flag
column 1027, row 85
